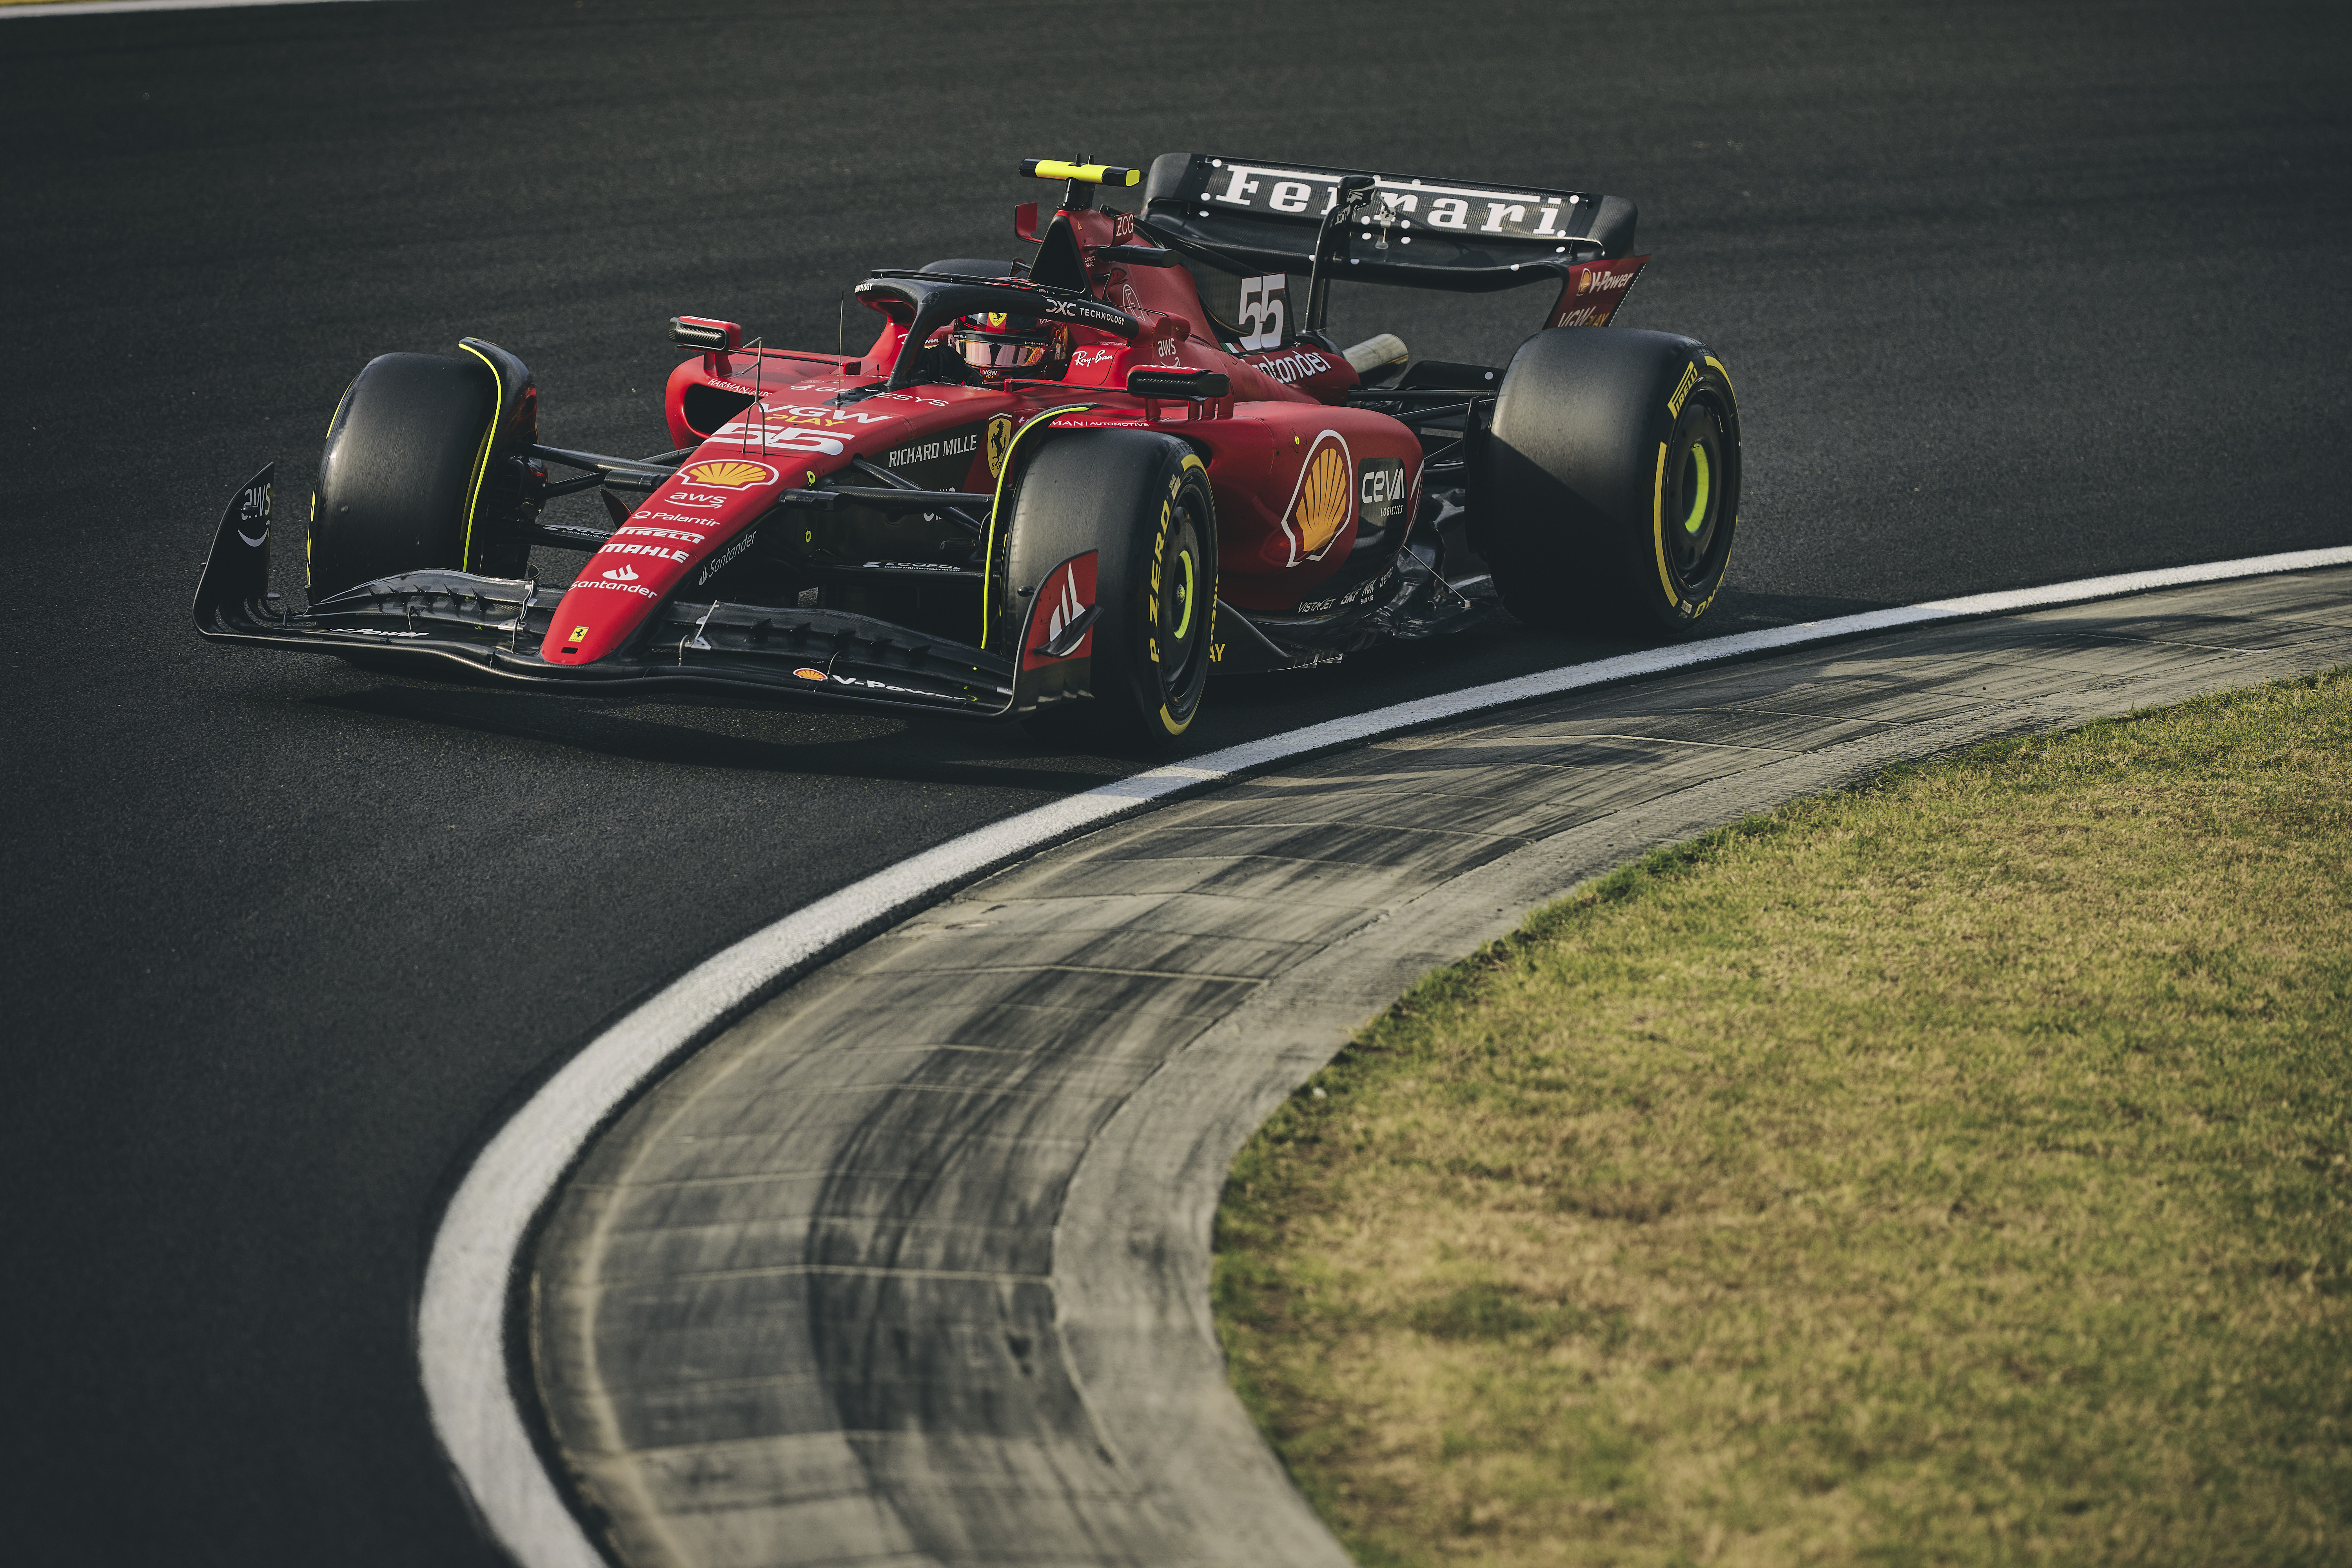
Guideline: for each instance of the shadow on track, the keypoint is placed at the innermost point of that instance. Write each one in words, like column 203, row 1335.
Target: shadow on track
column 905, row 753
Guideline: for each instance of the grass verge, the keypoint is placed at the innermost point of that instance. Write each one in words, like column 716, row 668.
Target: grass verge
column 1951, row 1169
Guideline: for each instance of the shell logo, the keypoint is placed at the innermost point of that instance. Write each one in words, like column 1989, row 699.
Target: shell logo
column 729, row 474
column 1319, row 509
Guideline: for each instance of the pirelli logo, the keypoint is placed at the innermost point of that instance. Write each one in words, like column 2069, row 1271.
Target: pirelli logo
column 1681, row 390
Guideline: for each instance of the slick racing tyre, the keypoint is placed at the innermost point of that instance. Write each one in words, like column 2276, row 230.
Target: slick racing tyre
column 398, row 479
column 1142, row 500
column 1607, row 492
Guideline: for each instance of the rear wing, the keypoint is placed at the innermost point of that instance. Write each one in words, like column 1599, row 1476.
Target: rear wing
column 1245, row 215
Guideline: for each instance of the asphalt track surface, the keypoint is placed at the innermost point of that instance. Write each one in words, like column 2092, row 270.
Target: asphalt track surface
column 2012, row 295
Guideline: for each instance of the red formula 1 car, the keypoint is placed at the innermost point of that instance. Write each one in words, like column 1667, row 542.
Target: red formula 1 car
column 1073, row 487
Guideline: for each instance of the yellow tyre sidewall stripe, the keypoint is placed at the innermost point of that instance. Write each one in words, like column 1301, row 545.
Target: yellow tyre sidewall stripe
column 996, row 509
column 1658, row 530
column 482, row 460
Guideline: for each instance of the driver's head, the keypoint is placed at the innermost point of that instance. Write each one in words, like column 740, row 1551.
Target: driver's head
column 998, row 345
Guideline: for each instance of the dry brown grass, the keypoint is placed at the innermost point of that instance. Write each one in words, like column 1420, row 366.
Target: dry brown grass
column 1950, row 1170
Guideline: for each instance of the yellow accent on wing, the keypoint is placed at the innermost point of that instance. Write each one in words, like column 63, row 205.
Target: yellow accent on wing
column 1322, row 500
column 1085, row 173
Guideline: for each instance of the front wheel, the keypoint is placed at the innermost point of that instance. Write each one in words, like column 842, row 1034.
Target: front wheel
column 402, row 482
column 1607, row 492
column 1142, row 502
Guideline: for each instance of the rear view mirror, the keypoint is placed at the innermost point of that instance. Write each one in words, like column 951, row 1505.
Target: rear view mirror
column 702, row 332
column 1195, row 384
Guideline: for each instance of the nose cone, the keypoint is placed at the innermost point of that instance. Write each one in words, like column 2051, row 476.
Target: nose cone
column 612, row 598
column 697, row 514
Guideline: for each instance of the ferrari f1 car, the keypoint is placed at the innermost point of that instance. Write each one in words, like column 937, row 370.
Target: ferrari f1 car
column 1071, row 488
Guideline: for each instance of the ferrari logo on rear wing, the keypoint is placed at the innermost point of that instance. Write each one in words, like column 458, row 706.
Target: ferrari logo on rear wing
column 1250, row 216
column 1399, row 204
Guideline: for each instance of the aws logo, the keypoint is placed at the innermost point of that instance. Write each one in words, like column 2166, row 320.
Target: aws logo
column 253, row 506
column 1319, row 503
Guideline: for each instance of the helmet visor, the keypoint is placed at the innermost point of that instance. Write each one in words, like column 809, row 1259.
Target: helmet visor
column 1000, row 351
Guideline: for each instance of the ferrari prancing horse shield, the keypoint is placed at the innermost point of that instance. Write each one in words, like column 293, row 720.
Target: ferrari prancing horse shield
column 1000, row 437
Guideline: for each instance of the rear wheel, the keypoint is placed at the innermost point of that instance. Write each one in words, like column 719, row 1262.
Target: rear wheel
column 400, row 478
column 1608, row 491
column 1142, row 502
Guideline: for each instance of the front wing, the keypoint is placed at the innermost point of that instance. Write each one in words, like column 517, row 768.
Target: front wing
column 456, row 622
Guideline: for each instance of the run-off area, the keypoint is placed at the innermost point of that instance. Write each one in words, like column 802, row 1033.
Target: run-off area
column 1953, row 1167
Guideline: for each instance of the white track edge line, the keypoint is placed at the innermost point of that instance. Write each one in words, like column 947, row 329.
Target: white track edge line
column 32, row 12
column 461, row 1316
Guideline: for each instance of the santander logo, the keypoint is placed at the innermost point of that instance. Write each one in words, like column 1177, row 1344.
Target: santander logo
column 621, row 574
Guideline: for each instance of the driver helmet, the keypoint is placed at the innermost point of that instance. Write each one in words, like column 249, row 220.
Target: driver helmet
column 997, row 345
